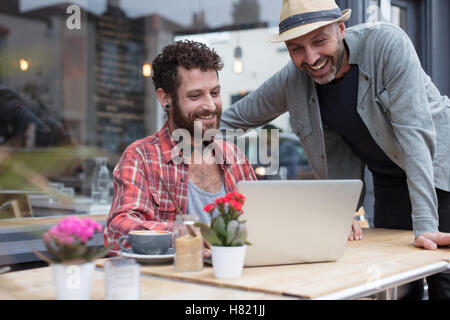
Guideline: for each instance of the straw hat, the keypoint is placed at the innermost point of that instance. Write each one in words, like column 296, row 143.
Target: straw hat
column 300, row 17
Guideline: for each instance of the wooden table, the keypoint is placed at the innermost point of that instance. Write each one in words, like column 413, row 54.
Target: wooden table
column 37, row 284
column 384, row 259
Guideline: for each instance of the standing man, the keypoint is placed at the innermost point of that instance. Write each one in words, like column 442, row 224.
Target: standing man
column 360, row 97
column 187, row 85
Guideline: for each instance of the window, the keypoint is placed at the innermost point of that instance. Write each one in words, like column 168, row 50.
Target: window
column 82, row 75
column 398, row 16
column 402, row 13
column 3, row 33
column 2, row 67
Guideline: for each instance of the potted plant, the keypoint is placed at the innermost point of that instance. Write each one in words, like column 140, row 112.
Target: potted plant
column 226, row 235
column 72, row 264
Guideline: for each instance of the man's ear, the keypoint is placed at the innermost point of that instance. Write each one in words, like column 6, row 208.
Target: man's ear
column 163, row 97
column 341, row 29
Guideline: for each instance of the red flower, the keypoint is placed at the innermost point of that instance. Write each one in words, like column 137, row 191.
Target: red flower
column 221, row 200
column 235, row 196
column 236, row 205
column 232, row 202
column 209, row 207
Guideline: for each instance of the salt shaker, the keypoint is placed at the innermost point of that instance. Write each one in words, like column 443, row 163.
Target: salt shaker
column 122, row 279
column 188, row 249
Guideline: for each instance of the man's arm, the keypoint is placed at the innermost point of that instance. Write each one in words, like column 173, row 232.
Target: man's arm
column 414, row 129
column 261, row 106
column 133, row 207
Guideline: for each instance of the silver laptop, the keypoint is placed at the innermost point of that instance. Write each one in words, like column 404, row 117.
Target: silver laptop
column 291, row 222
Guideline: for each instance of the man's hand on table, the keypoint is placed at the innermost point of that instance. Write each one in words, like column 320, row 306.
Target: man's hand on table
column 356, row 231
column 206, row 250
column 206, row 253
column 431, row 241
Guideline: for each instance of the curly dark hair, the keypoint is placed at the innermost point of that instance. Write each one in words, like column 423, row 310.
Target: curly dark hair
column 190, row 55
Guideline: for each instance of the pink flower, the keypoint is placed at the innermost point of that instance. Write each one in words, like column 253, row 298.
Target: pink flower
column 69, row 229
column 93, row 224
column 68, row 238
column 61, row 238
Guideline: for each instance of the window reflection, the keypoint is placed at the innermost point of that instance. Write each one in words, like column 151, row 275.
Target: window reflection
column 86, row 81
column 92, row 78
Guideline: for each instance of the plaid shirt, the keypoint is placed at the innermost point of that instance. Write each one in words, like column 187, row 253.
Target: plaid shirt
column 140, row 202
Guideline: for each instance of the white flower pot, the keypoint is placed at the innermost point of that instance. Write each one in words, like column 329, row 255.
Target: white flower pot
column 228, row 262
column 73, row 281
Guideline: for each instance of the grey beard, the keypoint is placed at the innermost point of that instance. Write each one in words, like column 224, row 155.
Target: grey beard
column 340, row 54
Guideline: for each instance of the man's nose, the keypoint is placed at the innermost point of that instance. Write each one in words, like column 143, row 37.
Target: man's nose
column 210, row 103
column 311, row 56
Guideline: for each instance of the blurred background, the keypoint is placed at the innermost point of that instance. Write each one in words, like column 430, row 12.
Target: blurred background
column 76, row 89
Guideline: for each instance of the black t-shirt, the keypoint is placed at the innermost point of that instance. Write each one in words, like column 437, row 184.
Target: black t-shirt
column 338, row 106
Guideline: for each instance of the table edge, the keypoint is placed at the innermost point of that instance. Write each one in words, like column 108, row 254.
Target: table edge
column 368, row 289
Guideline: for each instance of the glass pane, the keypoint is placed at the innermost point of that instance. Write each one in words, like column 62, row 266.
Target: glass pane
column 373, row 11
column 79, row 76
column 398, row 16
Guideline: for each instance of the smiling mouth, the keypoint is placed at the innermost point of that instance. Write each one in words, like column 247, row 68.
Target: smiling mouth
column 207, row 117
column 319, row 66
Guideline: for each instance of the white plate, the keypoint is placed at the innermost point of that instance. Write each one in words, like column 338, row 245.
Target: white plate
column 157, row 258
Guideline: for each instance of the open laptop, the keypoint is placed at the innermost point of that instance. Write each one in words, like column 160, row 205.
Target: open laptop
column 291, row 222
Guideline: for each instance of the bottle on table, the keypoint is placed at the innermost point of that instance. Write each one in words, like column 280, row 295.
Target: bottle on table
column 101, row 182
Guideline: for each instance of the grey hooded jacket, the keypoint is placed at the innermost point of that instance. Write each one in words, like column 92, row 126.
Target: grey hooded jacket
column 402, row 109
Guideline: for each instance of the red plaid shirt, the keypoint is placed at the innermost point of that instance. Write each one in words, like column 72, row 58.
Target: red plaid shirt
column 140, row 201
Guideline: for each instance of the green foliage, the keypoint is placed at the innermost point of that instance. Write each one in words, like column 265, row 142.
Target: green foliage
column 232, row 229
column 233, row 234
column 208, row 234
column 24, row 169
column 218, row 225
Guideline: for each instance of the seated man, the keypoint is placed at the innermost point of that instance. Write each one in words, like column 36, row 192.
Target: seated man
column 187, row 85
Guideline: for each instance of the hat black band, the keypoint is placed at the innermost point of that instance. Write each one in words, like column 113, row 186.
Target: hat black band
column 309, row 17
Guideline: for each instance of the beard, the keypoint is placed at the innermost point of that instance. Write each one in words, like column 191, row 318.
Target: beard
column 335, row 61
column 187, row 121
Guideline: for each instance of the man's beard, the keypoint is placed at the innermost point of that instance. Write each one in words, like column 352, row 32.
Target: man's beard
column 187, row 122
column 335, row 61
